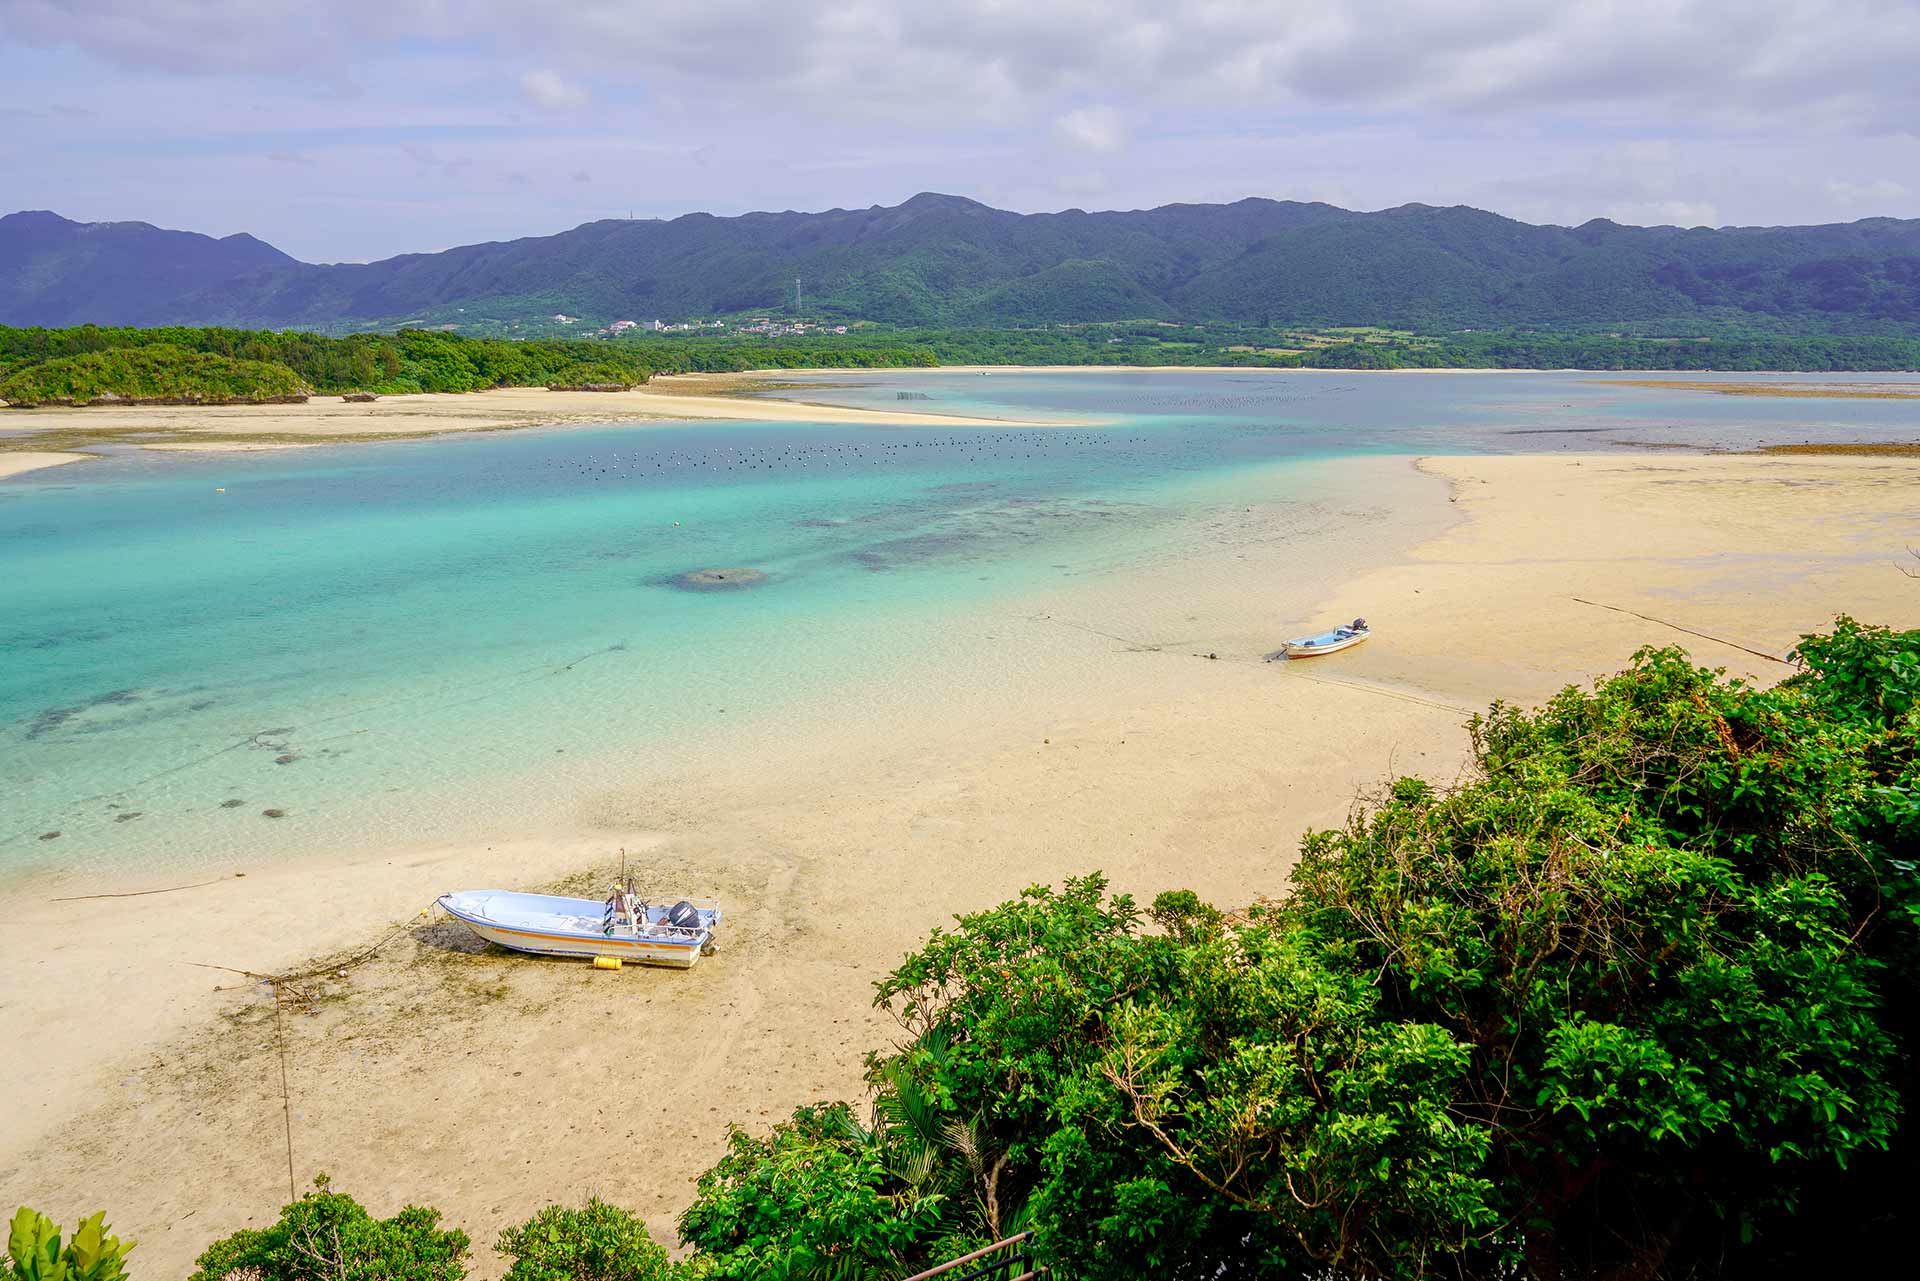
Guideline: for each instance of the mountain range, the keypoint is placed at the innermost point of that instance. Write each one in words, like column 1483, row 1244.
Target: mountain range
column 947, row 260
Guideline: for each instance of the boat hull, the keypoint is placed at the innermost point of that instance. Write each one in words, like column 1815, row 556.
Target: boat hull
column 1315, row 647
column 632, row 951
column 551, row 938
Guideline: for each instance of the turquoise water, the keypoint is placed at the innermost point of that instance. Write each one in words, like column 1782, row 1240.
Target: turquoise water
column 1439, row 412
column 305, row 630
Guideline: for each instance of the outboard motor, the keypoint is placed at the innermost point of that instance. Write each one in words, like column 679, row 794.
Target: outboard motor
column 684, row 915
column 1359, row 624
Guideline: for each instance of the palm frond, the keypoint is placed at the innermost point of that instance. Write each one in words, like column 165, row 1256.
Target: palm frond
column 1016, row 1219
column 851, row 1129
column 915, row 1167
column 964, row 1138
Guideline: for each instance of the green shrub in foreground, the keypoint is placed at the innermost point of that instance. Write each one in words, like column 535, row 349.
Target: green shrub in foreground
column 328, row 1236
column 36, row 1253
column 823, row 1196
column 598, row 1242
column 1636, row 999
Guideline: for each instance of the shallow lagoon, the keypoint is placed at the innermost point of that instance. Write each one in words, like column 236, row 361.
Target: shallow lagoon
column 315, row 631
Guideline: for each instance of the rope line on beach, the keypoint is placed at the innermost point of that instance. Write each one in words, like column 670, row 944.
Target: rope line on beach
column 1145, row 647
column 281, row 983
column 1718, row 640
column 1161, row 648
column 286, row 1097
column 336, row 967
column 1376, row 689
column 171, row 889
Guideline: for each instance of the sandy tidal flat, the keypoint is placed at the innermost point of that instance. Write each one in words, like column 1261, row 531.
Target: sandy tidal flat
column 488, row 1084
column 23, row 461
column 328, row 419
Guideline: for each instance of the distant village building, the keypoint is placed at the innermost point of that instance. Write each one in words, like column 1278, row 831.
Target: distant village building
column 621, row 326
column 779, row 328
column 561, row 317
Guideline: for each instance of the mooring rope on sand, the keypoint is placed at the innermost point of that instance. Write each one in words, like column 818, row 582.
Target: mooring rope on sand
column 165, row 889
column 1381, row 690
column 289, row 983
column 286, row 1096
column 1718, row 640
column 1167, row 647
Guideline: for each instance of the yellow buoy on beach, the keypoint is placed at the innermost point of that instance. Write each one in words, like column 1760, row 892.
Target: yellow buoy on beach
column 606, row 962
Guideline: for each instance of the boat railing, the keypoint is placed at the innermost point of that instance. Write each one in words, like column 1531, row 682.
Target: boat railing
column 668, row 900
column 1008, row 1260
column 672, row 931
column 628, row 907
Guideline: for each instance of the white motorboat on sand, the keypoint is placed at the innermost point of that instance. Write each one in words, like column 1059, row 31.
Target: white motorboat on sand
column 1327, row 642
column 627, row 925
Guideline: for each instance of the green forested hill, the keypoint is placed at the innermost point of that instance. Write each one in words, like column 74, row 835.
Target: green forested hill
column 948, row 261
column 56, row 272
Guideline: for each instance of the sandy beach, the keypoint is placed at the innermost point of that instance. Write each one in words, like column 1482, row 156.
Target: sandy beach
column 23, row 461
column 49, row 437
column 488, row 1084
column 53, row 436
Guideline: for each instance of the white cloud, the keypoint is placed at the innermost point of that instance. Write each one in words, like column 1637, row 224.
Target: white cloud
column 1846, row 61
column 549, row 89
column 1091, row 129
column 1644, row 110
column 1873, row 194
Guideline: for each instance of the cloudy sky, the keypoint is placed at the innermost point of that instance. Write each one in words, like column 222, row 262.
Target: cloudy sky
column 355, row 129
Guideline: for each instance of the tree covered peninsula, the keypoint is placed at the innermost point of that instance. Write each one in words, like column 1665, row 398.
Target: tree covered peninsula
column 90, row 364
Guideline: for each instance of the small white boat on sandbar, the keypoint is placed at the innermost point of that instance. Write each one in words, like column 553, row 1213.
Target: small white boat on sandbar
column 627, row 926
column 1327, row 642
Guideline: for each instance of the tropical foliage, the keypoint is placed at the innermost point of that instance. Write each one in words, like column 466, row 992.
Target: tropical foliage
column 160, row 372
column 328, row 1236
column 598, row 1242
column 1636, row 999
column 42, row 366
column 35, row 1251
column 825, row 1196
